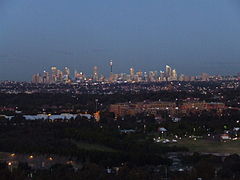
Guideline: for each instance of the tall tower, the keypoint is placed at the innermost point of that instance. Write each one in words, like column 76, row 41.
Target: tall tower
column 111, row 64
column 111, row 70
column 111, row 67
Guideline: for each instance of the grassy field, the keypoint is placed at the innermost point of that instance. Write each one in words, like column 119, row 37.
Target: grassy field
column 94, row 147
column 207, row 146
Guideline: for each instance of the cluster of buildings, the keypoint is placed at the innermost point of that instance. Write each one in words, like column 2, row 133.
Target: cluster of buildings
column 155, row 108
column 64, row 76
column 54, row 76
column 170, row 74
column 151, row 76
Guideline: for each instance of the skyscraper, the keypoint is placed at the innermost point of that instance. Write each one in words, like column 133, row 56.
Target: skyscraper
column 79, row 77
column 132, row 73
column 46, row 78
column 139, row 75
column 54, row 74
column 162, row 78
column 59, row 75
column 205, row 77
column 36, row 78
column 95, row 73
column 168, row 72
column 66, row 74
column 174, row 75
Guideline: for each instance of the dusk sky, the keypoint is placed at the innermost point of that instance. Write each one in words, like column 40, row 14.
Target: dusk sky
column 192, row 36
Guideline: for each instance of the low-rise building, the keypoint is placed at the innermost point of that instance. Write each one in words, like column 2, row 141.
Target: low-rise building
column 155, row 107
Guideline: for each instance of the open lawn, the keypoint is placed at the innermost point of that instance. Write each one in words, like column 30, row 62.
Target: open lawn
column 207, row 146
column 94, row 147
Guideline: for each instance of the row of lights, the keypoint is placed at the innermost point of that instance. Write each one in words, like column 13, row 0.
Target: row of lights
column 30, row 157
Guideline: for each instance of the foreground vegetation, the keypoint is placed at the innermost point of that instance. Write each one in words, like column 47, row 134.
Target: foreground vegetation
column 83, row 139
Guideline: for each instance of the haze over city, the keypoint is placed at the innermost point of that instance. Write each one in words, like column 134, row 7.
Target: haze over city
column 192, row 36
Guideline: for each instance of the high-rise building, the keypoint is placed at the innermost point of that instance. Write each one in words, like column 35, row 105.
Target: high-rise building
column 54, row 74
column 79, row 77
column 205, row 77
column 168, row 72
column 46, row 77
column 139, row 75
column 132, row 73
column 145, row 76
column 66, row 74
column 152, row 76
column 59, row 76
column 174, row 75
column 95, row 73
column 66, row 71
column 181, row 77
column 161, row 77
column 36, row 78
column 54, row 70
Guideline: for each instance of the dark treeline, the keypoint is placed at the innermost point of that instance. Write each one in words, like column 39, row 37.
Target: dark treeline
column 72, row 138
column 207, row 167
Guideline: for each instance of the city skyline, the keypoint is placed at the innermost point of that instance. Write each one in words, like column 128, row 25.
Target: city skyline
column 193, row 36
column 104, row 67
column 65, row 75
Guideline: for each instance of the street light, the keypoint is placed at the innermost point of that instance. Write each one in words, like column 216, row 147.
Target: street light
column 10, row 166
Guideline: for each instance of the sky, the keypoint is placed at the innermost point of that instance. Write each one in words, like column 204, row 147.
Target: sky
column 192, row 36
